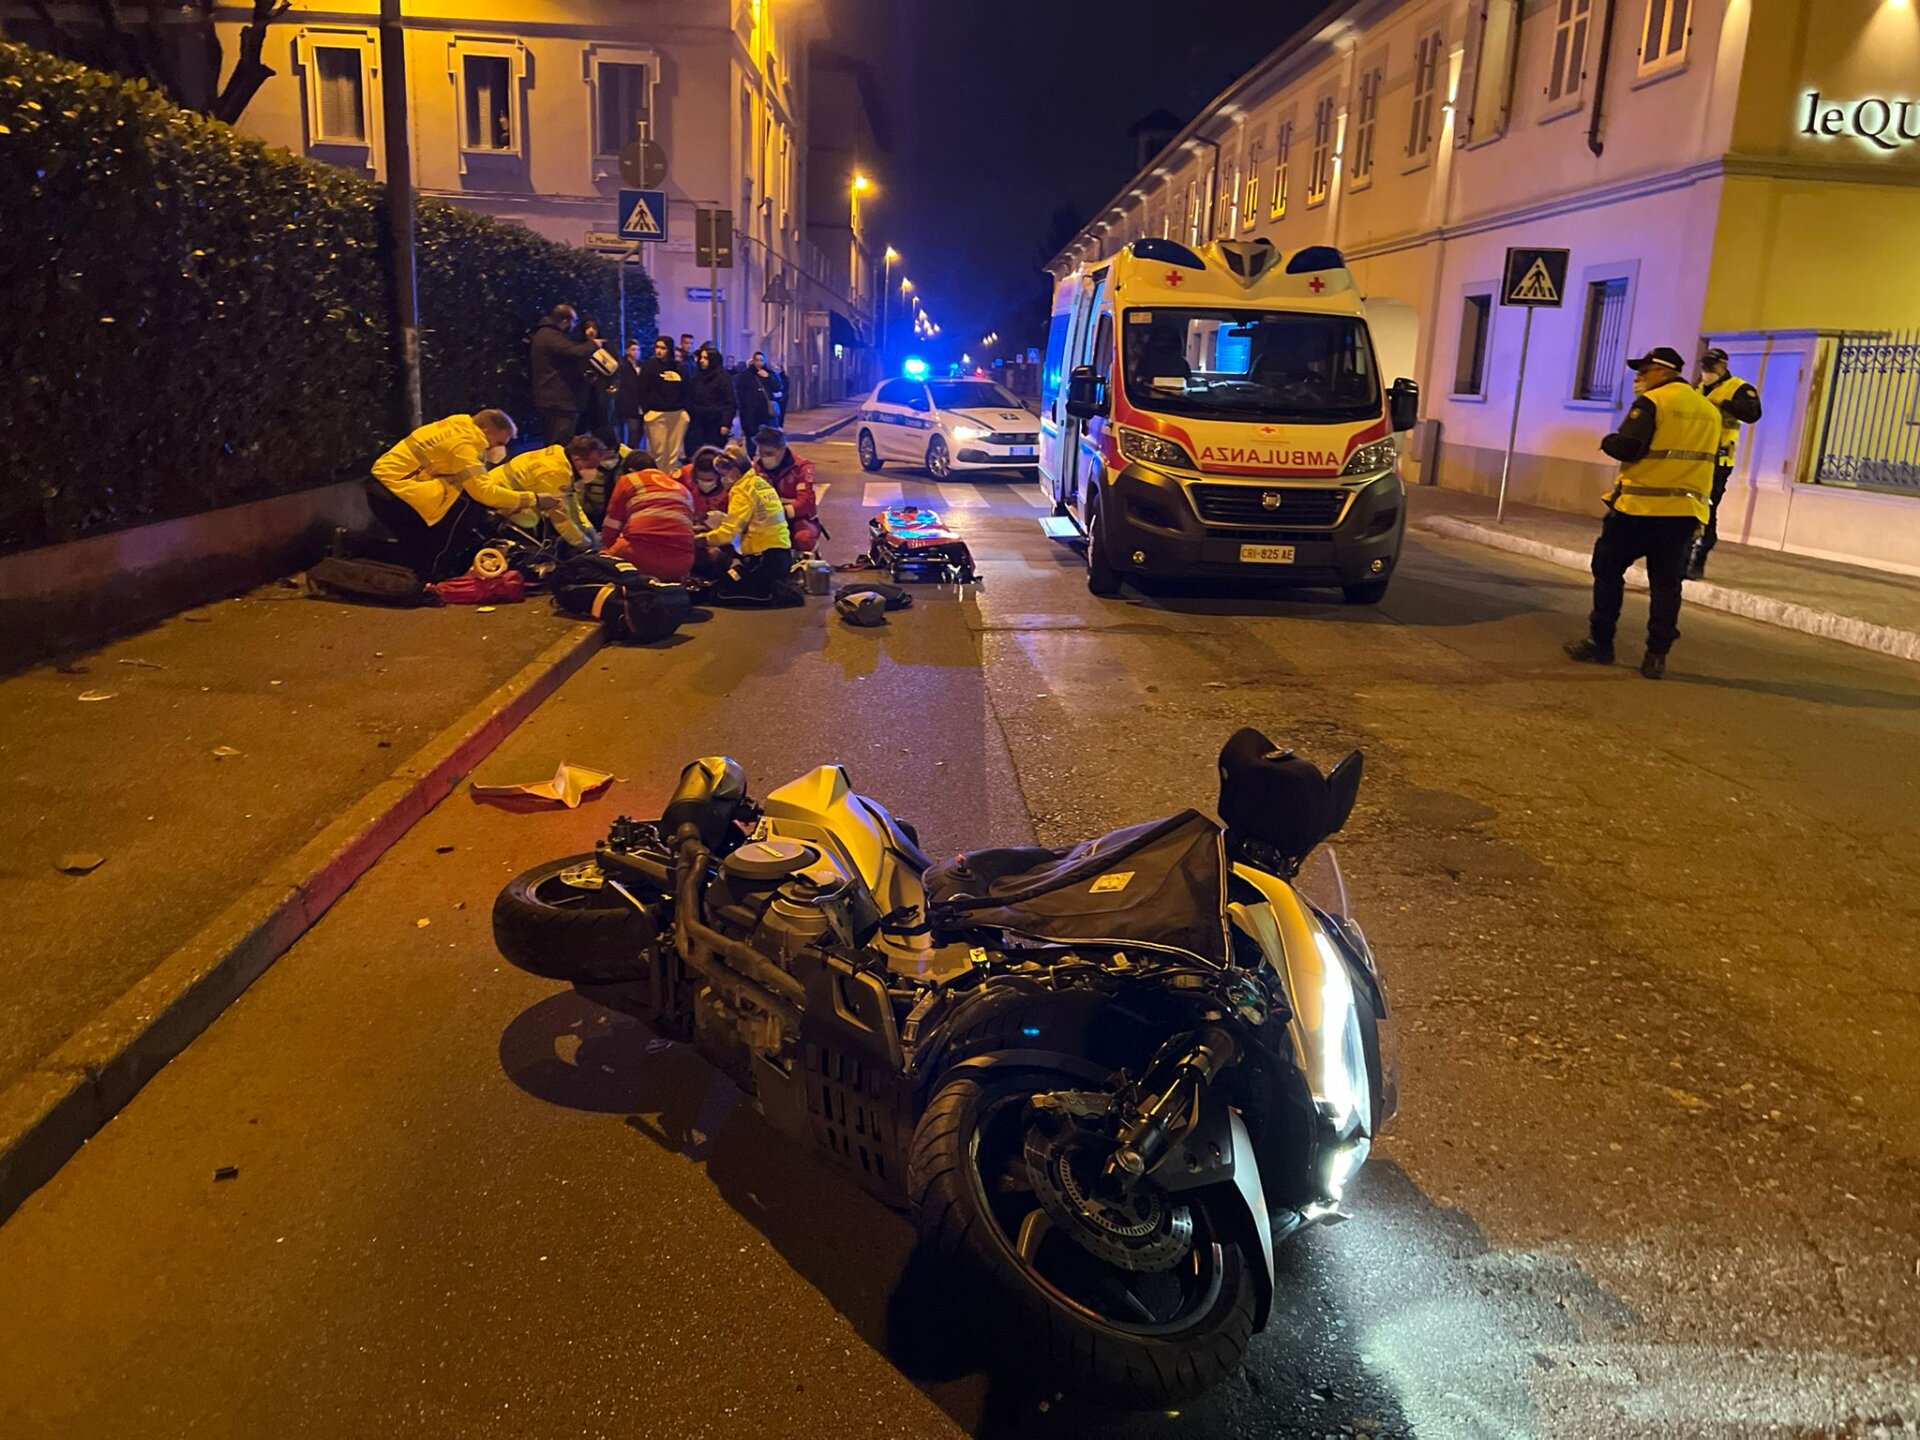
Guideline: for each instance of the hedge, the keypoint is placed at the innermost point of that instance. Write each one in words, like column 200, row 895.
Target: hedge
column 194, row 319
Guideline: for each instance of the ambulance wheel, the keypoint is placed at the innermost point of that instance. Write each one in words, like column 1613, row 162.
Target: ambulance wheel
column 1367, row 592
column 1103, row 579
column 869, row 452
column 938, row 464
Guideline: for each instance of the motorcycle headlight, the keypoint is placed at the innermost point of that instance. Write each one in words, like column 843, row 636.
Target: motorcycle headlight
column 1374, row 455
column 967, row 432
column 1341, row 1086
column 1153, row 449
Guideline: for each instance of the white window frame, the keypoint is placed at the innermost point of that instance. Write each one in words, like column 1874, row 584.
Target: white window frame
column 1655, row 57
column 1193, row 212
column 1591, row 275
column 1489, row 291
column 1429, row 69
column 1367, row 87
column 1326, row 124
column 597, row 56
column 492, row 47
column 1277, row 197
column 307, row 42
column 1566, row 87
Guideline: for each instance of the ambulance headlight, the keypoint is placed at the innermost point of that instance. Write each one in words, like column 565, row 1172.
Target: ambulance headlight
column 1373, row 456
column 967, row 432
column 1153, row 449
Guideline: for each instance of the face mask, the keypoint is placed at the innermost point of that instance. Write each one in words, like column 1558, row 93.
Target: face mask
column 707, row 483
column 496, row 453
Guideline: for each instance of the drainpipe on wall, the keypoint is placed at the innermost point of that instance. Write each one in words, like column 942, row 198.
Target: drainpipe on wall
column 1594, row 142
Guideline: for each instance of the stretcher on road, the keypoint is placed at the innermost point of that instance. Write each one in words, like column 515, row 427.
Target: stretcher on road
column 911, row 542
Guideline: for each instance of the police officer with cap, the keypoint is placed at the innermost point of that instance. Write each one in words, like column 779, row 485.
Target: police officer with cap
column 1666, row 446
column 1739, row 404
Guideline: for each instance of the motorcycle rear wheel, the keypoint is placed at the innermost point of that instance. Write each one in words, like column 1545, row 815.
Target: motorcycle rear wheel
column 1181, row 1333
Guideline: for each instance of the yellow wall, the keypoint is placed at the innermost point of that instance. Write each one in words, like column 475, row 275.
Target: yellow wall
column 1804, row 254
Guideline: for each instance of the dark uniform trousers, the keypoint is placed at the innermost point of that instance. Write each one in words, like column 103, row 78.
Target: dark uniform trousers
column 1721, row 474
column 1664, row 542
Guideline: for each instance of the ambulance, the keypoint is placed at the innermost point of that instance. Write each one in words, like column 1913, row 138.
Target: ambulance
column 1221, row 413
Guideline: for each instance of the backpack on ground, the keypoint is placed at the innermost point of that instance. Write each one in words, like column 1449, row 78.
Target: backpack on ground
column 368, row 582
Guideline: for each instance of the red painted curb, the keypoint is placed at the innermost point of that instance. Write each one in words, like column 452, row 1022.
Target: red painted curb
column 51, row 1111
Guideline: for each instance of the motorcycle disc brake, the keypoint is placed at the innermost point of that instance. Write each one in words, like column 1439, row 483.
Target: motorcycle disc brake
column 1135, row 1229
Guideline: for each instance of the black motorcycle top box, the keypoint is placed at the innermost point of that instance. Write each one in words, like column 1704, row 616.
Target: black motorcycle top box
column 1271, row 795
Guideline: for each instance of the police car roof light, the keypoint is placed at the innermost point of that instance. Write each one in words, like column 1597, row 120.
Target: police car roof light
column 914, row 368
column 1165, row 252
column 1316, row 257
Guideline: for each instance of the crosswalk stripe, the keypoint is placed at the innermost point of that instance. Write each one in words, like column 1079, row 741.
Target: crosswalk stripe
column 881, row 492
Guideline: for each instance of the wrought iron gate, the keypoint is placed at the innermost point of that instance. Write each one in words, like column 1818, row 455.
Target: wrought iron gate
column 1870, row 437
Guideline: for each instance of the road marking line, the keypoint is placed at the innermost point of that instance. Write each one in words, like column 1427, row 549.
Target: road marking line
column 882, row 492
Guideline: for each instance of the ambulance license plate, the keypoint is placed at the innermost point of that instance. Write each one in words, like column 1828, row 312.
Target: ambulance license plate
column 1266, row 554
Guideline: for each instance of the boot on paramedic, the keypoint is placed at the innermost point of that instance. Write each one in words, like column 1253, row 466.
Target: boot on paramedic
column 1666, row 446
column 434, row 492
column 1739, row 404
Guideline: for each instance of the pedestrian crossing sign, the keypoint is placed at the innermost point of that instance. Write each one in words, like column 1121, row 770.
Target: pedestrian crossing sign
column 643, row 214
column 1536, row 277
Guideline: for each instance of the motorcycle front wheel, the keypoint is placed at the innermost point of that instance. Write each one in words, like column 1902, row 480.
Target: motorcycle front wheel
column 1143, row 1333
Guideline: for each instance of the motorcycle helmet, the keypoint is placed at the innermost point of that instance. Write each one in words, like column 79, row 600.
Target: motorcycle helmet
column 862, row 607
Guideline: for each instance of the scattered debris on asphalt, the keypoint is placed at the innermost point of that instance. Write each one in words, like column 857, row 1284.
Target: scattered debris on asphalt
column 443, row 849
column 570, row 785
column 73, row 667
column 226, row 1172
column 144, row 664
column 90, row 695
column 224, row 752
column 422, row 923
column 81, row 862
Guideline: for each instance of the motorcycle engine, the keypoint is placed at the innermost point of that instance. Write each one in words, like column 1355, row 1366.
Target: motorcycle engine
column 785, row 897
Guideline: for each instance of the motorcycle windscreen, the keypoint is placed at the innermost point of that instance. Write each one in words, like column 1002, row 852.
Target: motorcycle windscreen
column 1161, row 885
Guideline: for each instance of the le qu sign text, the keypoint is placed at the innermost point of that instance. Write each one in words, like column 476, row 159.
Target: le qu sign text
column 1883, row 124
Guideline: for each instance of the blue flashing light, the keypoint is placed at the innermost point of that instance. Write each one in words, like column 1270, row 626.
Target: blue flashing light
column 914, row 368
column 1030, row 1031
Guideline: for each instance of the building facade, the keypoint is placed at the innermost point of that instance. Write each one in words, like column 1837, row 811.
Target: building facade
column 521, row 112
column 1742, row 173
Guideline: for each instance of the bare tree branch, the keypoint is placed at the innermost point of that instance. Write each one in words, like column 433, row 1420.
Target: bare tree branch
column 250, row 72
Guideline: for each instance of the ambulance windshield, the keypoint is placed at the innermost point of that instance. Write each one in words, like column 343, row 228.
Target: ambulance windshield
column 1221, row 364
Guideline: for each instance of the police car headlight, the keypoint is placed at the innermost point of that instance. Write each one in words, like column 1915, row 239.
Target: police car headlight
column 967, row 432
column 1375, row 455
column 1153, row 449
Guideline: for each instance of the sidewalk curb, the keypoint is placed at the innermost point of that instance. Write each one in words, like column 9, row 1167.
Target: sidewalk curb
column 840, row 424
column 1824, row 624
column 50, row 1112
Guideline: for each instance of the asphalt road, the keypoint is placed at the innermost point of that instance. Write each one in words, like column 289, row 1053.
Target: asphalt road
column 1650, row 947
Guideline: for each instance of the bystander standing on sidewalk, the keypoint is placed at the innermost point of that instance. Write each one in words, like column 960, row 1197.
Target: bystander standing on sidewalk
column 434, row 492
column 710, row 401
column 1739, row 404
column 554, row 362
column 1666, row 447
column 663, row 403
column 628, row 428
column 752, row 389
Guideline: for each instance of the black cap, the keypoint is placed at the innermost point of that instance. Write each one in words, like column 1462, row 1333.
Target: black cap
column 1660, row 355
column 1714, row 356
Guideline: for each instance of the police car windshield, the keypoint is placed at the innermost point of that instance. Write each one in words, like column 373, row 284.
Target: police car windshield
column 970, row 395
column 1220, row 364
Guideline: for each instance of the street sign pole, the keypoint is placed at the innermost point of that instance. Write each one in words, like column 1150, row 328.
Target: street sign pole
column 399, row 178
column 620, row 267
column 1513, row 430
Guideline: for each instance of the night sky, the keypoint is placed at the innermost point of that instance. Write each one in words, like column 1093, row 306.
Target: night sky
column 999, row 111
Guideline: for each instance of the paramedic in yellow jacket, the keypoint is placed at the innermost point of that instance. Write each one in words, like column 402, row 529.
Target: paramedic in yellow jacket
column 558, row 470
column 1666, row 446
column 757, row 524
column 434, row 491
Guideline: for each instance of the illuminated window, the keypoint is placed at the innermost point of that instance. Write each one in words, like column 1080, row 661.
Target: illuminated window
column 1320, row 172
column 488, row 83
column 1663, row 38
column 1193, row 212
column 1570, row 27
column 337, row 65
column 1493, row 40
column 1476, row 329
column 1282, row 155
column 1230, row 195
column 1428, row 56
column 1366, row 123
column 1250, row 210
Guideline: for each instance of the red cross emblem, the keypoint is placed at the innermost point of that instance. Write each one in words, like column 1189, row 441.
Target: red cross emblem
column 1316, row 284
column 1174, row 277
column 1266, row 430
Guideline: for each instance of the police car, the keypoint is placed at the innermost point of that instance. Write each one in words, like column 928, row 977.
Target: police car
column 946, row 426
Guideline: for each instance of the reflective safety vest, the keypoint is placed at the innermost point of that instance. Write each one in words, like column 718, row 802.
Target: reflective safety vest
column 1675, row 476
column 436, row 463
column 546, row 472
column 1729, row 427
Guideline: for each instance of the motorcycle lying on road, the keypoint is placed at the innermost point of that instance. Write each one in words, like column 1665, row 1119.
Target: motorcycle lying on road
column 1106, row 1080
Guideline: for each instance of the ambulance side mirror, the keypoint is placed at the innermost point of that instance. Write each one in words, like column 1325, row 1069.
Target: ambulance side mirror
column 1403, row 404
column 1086, row 393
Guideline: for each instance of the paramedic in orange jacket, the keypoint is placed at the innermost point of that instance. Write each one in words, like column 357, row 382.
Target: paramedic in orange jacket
column 434, row 491
column 650, row 521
